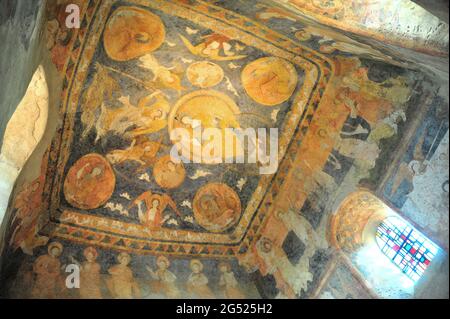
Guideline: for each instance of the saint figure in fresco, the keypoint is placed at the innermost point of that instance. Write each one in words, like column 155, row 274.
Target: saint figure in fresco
column 165, row 279
column 197, row 284
column 90, row 282
column 26, row 219
column 48, row 281
column 229, row 283
column 154, row 207
column 122, row 284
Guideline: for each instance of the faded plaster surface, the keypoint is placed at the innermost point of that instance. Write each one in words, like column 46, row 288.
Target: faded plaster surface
column 27, row 125
column 429, row 201
column 399, row 22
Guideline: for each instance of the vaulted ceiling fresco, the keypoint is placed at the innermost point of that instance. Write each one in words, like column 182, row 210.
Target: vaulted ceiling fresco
column 110, row 198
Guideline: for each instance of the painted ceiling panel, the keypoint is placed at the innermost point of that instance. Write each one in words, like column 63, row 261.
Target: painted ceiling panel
column 111, row 199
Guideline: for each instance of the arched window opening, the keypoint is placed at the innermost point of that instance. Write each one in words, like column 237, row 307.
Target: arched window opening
column 406, row 247
column 389, row 253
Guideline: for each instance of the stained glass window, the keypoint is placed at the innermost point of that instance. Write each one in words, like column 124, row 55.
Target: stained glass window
column 406, row 247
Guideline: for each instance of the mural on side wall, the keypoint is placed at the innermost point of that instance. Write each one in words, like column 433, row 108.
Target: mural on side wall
column 342, row 284
column 424, row 170
column 139, row 225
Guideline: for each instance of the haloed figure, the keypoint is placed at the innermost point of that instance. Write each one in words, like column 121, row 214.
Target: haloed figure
column 229, row 283
column 155, row 205
column 197, row 284
column 48, row 283
column 122, row 284
column 166, row 280
column 90, row 282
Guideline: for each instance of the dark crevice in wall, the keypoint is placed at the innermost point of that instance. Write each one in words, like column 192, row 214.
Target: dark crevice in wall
column 439, row 8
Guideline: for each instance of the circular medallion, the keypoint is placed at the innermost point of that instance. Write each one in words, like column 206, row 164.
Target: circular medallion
column 90, row 182
column 198, row 111
column 168, row 174
column 217, row 207
column 132, row 32
column 270, row 81
column 205, row 74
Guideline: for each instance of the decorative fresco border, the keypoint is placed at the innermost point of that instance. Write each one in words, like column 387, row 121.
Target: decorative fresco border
column 69, row 74
column 76, row 70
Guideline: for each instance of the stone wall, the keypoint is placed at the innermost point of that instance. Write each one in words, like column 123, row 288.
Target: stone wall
column 29, row 93
column 20, row 34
